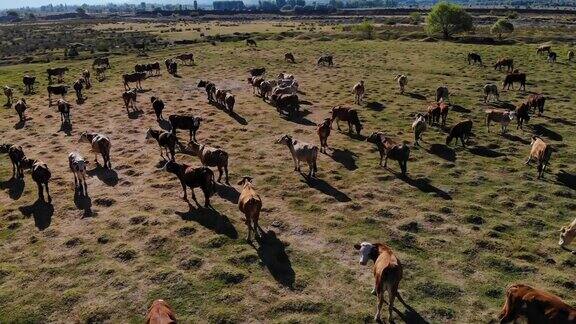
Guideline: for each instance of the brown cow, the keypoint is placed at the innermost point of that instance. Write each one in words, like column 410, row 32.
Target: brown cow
column 433, row 114
column 289, row 57
column 160, row 313
column 515, row 77
column 536, row 101
column 444, row 109
column 348, row 115
column 567, row 235
column 536, row 306
column 461, row 131
column 541, row 152
column 507, row 62
column 522, row 115
column 390, row 149
column 323, row 133
column 387, row 273
column 250, row 204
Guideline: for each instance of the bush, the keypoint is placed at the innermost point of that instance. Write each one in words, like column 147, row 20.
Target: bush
column 448, row 19
column 415, row 18
column 502, row 26
column 365, row 28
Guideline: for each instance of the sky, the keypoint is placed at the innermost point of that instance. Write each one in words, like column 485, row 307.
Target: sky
column 9, row 4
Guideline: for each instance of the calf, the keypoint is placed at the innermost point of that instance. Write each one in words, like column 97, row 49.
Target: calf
column 250, row 205
column 9, row 93
column 28, row 82
column 390, row 149
column 461, row 131
column 166, row 141
column 64, row 110
column 160, row 313
column 535, row 306
column 491, row 90
column 507, row 62
column 444, row 109
column 358, row 90
column 567, row 235
column 16, row 155
column 348, row 115
column 536, row 101
column 158, row 106
column 129, row 98
column 325, row 60
column 442, row 93
column 100, row 144
column 323, row 131
column 418, row 127
column 552, row 57
column 540, row 152
column 210, row 157
column 289, row 57
column 522, row 115
column 78, row 87
column 191, row 177
column 60, row 90
column 474, row 58
column 543, row 48
column 402, row 82
column 78, row 165
column 433, row 114
column 40, row 174
column 301, row 152
column 499, row 116
column 190, row 123
column 512, row 78
column 186, row 58
column 21, row 107
column 289, row 103
column 387, row 274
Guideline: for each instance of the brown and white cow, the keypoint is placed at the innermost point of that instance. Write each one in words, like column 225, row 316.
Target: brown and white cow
column 535, row 306
column 250, row 204
column 567, row 235
column 160, row 313
column 540, row 152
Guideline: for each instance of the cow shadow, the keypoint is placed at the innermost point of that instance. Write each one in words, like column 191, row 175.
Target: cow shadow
column 299, row 118
column 272, row 253
column 305, row 102
column 66, row 128
column 239, row 119
column 503, row 105
column 83, row 202
column 410, row 315
column 566, row 179
column 542, row 130
column 460, row 109
column 445, row 152
column 375, row 105
column 345, row 157
column 423, row 184
column 416, row 95
column 107, row 176
column 135, row 114
column 228, row 192
column 80, row 101
column 515, row 138
column 325, row 188
column 485, row 152
column 562, row 121
column 210, row 219
column 20, row 124
column 41, row 211
column 15, row 187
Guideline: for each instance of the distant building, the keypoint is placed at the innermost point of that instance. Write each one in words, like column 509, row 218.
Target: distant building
column 228, row 5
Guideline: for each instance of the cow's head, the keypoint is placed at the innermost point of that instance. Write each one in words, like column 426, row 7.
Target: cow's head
column 366, row 250
column 245, row 180
column 567, row 235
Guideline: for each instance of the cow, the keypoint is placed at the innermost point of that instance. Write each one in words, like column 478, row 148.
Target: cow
column 211, row 157
column 567, row 235
column 301, row 152
column 9, row 93
column 418, row 127
column 536, row 101
column 325, row 60
column 506, row 62
column 64, row 110
column 257, row 71
column 136, row 77
column 86, row 76
column 499, row 116
column 348, row 115
column 78, row 165
column 40, row 174
column 541, row 152
column 522, row 115
column 190, row 123
column 158, row 106
column 21, row 108
column 129, row 98
column 491, row 91
column 289, row 57
column 191, row 177
column 474, row 58
column 433, row 114
column 78, row 87
column 28, row 82
column 186, row 58
column 512, row 78
column 250, row 205
column 543, row 49
column 251, row 42
column 16, row 155
column 552, row 57
column 160, row 313
column 462, row 131
column 101, row 61
column 402, row 81
column 388, row 148
column 209, row 87
column 100, row 144
column 60, row 90
column 358, row 90
column 323, row 131
column 166, row 141
column 442, row 93
column 59, row 72
column 535, row 306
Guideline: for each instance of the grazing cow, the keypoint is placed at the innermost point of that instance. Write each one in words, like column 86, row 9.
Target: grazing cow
column 541, row 152
column 209, row 87
column 418, row 127
column 153, row 68
column 220, row 96
column 266, row 88
column 229, row 101
column 210, row 157
column 101, row 61
column 535, row 306
column 289, row 57
column 21, row 107
column 474, row 58
column 390, row 149
column 191, row 177
column 387, row 274
column 323, row 131
column 543, row 48
column 64, row 110
column 87, row 78
column 522, row 115
column 60, row 90
column 512, row 78
column 289, row 103
column 59, row 72
column 78, row 87
column 28, row 82
column 567, row 234
column 129, row 98
column 499, row 116
column 255, row 82
column 283, row 88
column 536, row 101
column 160, row 313
column 461, row 131
column 348, row 115
column 442, row 93
column 166, row 141
column 552, row 57
column 185, row 122
column 158, row 106
column 187, row 57
column 136, row 77
column 100, row 73
column 9, row 93
column 301, row 152
column 257, row 71
column 358, row 90
column 444, row 109
column 433, row 114
column 99, row 144
column 402, row 82
column 325, row 60
column 251, row 42
column 570, row 56
column 40, row 174
column 173, row 68
column 491, row 90
column 250, row 205
column 506, row 62
column 285, row 77
column 16, row 155
column 78, row 165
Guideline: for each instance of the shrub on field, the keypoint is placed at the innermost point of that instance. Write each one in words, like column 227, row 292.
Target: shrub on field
column 366, row 29
column 415, row 18
column 448, row 19
column 502, row 26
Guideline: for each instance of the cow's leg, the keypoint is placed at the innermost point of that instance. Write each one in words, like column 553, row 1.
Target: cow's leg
column 391, row 296
column 247, row 222
column 462, row 140
column 184, row 191
column 40, row 191
column 380, row 297
column 48, row 193
column 206, row 193
column 219, row 173
column 338, row 123
column 226, row 170
column 385, row 160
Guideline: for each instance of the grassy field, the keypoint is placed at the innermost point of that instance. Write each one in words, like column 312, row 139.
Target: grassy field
column 466, row 223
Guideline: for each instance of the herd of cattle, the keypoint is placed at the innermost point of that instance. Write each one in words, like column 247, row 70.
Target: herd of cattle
column 282, row 92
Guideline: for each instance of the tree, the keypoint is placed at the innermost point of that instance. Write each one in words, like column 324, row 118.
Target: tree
column 502, row 26
column 415, row 18
column 81, row 11
column 366, row 28
column 448, row 19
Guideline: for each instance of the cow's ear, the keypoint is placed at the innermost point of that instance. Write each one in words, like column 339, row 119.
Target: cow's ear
column 357, row 246
column 86, row 162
